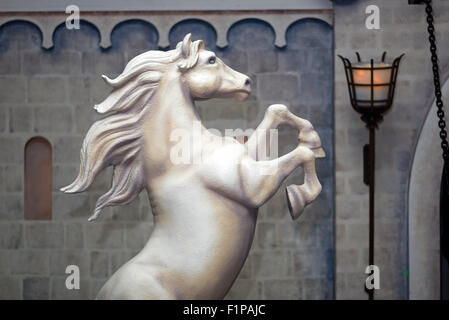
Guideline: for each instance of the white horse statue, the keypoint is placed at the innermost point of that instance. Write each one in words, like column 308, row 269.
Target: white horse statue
column 204, row 213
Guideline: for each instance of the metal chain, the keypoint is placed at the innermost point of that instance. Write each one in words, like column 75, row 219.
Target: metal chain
column 436, row 80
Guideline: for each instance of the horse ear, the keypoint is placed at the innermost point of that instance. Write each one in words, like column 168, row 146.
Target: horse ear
column 185, row 49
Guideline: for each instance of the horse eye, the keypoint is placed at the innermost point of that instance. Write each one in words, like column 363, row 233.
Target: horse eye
column 212, row 60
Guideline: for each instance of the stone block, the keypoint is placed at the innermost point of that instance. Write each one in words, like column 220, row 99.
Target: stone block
column 119, row 258
column 340, row 232
column 348, row 259
column 355, row 286
column 275, row 208
column 237, row 60
column 71, row 206
column 21, row 119
column 316, row 88
column 107, row 235
column 271, row 264
column 102, row 184
column 348, row 207
column 145, row 209
column 12, row 208
column 266, row 235
column 67, row 150
column 99, row 264
column 220, row 109
column 356, row 233
column 85, row 116
column 11, row 235
column 297, row 60
column 29, row 262
column 297, row 235
column 2, row 184
column 275, row 86
column 55, row 62
column 46, row 89
column 13, row 89
column 59, row 290
column 36, row 288
column 15, row 147
column 45, row 235
column 79, row 89
column 74, row 235
column 322, row 207
column 95, row 286
column 314, row 263
column 245, row 289
column 129, row 212
column 60, row 259
column 279, row 289
column 137, row 234
column 99, row 89
column 10, row 63
column 246, row 272
column 53, row 119
column 110, row 64
column 4, row 262
column 13, row 175
column 317, row 289
column 63, row 175
column 14, row 288
column 356, row 184
column 261, row 62
column 4, row 116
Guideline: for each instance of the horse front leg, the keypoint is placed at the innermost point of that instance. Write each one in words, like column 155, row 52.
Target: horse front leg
column 298, row 197
column 261, row 179
column 276, row 115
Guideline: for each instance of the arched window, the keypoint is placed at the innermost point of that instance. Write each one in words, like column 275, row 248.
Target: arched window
column 38, row 179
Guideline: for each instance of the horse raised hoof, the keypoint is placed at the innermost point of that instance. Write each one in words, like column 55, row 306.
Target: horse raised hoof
column 319, row 152
column 298, row 197
column 311, row 140
column 295, row 201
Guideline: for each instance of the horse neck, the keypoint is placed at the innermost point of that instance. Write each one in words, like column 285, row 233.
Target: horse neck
column 171, row 108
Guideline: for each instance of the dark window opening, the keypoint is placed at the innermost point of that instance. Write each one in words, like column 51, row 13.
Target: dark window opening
column 38, row 179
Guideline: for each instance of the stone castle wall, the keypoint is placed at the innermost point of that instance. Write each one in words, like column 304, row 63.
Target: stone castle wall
column 51, row 93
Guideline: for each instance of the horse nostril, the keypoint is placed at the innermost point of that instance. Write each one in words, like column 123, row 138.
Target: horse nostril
column 247, row 82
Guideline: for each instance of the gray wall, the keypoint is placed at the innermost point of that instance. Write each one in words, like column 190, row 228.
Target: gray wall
column 403, row 30
column 51, row 93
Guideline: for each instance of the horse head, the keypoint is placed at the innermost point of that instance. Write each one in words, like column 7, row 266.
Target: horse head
column 207, row 76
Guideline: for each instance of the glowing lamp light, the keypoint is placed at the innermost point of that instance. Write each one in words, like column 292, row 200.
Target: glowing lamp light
column 371, row 86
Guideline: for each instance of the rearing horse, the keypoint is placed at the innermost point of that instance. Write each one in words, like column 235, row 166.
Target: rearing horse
column 204, row 214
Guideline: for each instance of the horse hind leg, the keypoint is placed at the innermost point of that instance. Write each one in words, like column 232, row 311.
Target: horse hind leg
column 298, row 197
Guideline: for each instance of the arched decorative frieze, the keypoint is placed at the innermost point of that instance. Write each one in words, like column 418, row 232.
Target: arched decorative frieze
column 105, row 22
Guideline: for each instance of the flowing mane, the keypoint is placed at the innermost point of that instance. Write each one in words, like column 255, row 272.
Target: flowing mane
column 116, row 140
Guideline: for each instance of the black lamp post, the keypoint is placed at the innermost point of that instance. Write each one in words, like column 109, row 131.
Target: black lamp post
column 371, row 90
